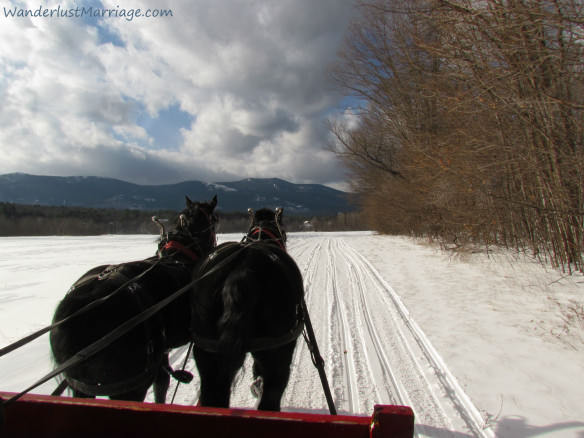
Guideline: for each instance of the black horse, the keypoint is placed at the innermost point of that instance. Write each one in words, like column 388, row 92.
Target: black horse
column 126, row 368
column 247, row 299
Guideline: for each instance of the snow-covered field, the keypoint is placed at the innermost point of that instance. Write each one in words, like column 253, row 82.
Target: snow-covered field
column 476, row 345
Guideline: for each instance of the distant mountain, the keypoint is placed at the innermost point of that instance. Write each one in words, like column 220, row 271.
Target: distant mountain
column 96, row 192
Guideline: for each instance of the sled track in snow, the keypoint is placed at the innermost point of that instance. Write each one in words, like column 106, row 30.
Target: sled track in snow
column 374, row 352
column 421, row 378
column 301, row 378
column 369, row 335
column 345, row 349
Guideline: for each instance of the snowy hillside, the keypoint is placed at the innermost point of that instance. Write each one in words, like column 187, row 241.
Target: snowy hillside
column 476, row 346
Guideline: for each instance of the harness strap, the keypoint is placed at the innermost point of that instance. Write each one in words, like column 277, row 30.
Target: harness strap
column 272, row 236
column 256, row 344
column 106, row 340
column 177, row 246
column 114, row 388
column 81, row 311
column 61, row 388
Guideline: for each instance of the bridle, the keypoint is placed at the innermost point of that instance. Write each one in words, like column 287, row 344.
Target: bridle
column 184, row 224
column 256, row 231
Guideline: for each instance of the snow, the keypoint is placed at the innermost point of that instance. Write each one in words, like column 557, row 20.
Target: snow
column 477, row 344
column 216, row 186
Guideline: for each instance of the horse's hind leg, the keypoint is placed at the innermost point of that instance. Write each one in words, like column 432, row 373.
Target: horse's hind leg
column 162, row 382
column 273, row 366
column 216, row 373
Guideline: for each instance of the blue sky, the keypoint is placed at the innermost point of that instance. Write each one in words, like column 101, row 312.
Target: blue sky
column 220, row 90
column 165, row 127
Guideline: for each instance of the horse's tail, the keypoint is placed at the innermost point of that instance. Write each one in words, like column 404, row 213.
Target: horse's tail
column 239, row 299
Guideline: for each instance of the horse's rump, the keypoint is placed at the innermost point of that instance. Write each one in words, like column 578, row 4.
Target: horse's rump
column 247, row 295
column 99, row 371
column 103, row 303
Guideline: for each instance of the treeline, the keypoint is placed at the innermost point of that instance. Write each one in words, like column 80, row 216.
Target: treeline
column 36, row 220
column 472, row 123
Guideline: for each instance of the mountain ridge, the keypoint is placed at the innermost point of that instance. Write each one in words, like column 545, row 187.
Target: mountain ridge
column 102, row 192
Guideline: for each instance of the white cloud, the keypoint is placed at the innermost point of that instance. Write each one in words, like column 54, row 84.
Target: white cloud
column 252, row 74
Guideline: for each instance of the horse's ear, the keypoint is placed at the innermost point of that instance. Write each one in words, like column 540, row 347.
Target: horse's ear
column 279, row 213
column 250, row 212
column 188, row 201
column 213, row 202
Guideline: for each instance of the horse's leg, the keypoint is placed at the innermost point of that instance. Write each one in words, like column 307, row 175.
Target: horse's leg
column 273, row 366
column 216, row 373
column 162, row 381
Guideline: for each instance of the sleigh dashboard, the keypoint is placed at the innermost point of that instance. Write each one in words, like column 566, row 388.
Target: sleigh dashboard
column 46, row 416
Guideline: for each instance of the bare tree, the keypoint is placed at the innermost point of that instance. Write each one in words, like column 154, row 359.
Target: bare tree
column 473, row 128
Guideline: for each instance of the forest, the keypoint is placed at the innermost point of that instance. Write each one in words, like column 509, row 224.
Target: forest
column 469, row 124
column 36, row 220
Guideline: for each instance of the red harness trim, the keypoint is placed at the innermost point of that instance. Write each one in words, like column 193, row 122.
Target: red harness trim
column 173, row 244
column 270, row 235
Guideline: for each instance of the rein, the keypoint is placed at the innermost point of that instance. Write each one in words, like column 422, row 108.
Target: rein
column 109, row 338
column 83, row 310
column 120, row 330
column 303, row 324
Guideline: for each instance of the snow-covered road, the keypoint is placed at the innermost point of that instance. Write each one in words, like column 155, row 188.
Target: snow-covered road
column 506, row 327
column 374, row 352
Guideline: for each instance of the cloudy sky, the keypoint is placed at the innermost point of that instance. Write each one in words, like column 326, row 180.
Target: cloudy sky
column 221, row 90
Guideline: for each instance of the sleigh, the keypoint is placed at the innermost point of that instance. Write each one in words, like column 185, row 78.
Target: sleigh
column 47, row 416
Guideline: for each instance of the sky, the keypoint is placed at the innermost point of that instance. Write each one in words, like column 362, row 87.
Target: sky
column 188, row 89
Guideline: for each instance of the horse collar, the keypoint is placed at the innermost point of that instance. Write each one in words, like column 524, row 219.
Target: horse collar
column 177, row 246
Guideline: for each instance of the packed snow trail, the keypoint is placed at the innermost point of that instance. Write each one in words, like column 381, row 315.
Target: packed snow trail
column 374, row 352
column 496, row 320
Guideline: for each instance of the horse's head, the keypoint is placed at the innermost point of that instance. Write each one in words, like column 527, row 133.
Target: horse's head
column 193, row 232
column 267, row 225
column 199, row 220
